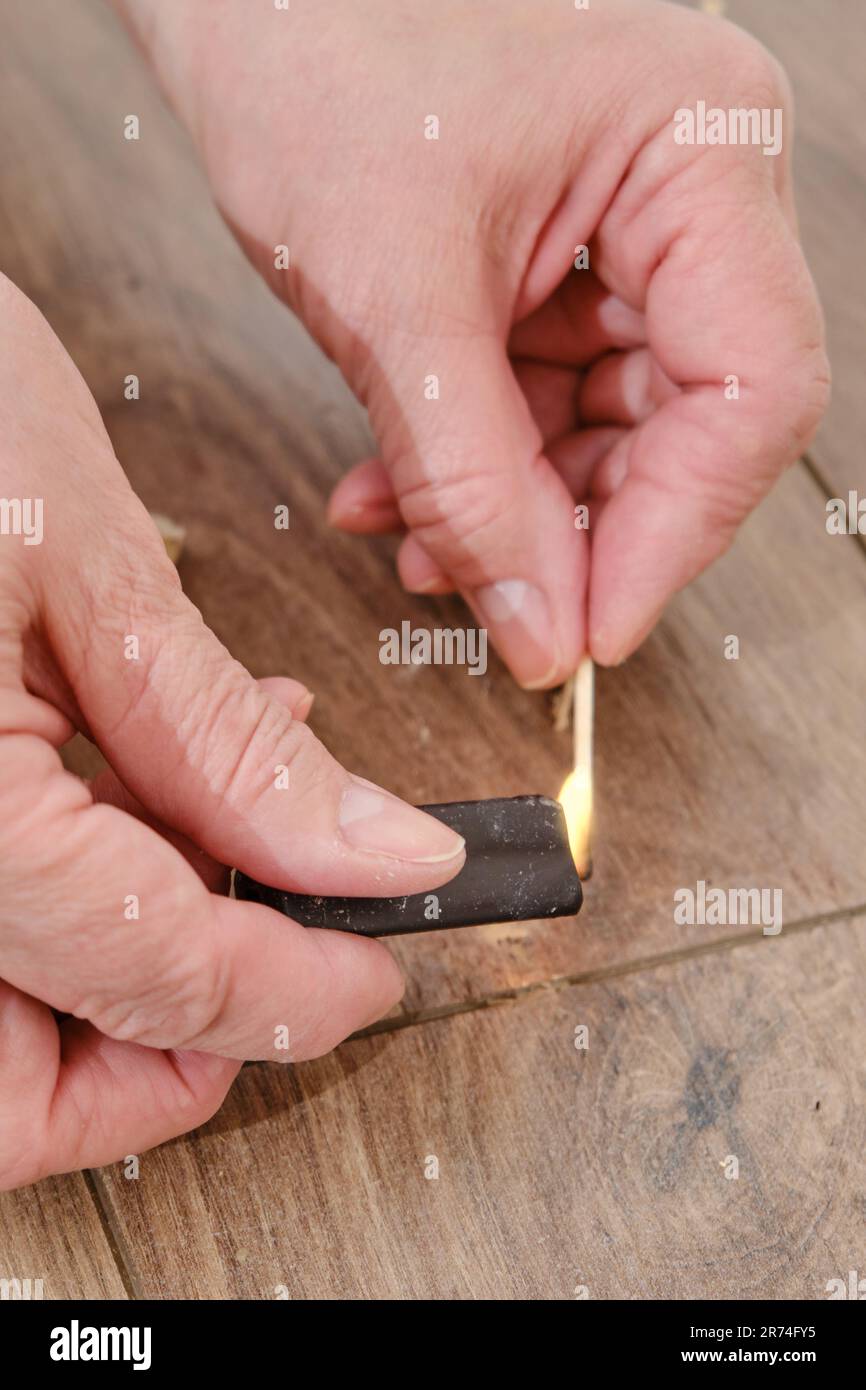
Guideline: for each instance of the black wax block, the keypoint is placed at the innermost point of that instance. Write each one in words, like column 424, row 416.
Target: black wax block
column 518, row 867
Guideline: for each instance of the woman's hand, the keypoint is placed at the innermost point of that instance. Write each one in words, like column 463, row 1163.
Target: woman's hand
column 503, row 384
column 107, row 905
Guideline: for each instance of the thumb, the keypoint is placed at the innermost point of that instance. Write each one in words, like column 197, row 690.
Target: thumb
column 218, row 757
column 463, row 455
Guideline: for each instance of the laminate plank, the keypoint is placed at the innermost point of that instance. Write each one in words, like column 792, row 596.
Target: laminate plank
column 609, row 1169
column 51, row 1235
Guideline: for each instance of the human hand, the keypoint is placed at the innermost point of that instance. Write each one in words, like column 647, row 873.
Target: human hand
column 452, row 258
column 109, row 896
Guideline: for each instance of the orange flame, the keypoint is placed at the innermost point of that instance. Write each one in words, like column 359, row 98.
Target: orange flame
column 576, row 801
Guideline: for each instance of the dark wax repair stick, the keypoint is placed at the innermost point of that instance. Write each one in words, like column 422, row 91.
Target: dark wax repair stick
column 518, row 867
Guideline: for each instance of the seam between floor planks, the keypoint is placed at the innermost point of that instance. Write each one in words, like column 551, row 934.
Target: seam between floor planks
column 826, row 489
column 115, row 1240
column 610, row 972
column 122, row 1257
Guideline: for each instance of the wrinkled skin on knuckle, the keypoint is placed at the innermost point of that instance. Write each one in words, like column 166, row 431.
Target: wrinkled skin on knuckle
column 193, row 1102
column 798, row 400
column 180, row 664
column 813, row 396
column 182, row 998
column 451, row 508
column 757, row 75
column 123, row 589
column 239, row 733
column 715, row 58
column 127, row 584
column 314, row 775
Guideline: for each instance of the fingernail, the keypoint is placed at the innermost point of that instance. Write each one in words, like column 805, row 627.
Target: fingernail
column 518, row 616
column 613, row 642
column 373, row 820
column 603, row 654
column 304, row 705
column 435, row 585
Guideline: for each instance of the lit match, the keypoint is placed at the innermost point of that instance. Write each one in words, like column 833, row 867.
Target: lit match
column 576, row 794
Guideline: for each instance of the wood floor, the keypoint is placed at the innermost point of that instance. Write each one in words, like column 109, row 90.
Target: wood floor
column 562, row 1172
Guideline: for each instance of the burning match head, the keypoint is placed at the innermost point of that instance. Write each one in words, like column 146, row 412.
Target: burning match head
column 518, row 867
column 576, row 801
column 577, row 792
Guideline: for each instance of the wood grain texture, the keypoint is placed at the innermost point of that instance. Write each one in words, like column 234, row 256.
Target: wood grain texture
column 53, row 1232
column 822, row 45
column 558, row 1168
column 728, row 771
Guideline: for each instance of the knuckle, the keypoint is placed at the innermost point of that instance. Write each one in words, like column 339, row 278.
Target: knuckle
column 121, row 593
column 759, row 74
column 311, row 769
column 453, row 508
column 240, row 735
column 812, row 396
column 797, row 401
column 178, row 1002
column 134, row 580
column 193, row 1106
column 176, row 666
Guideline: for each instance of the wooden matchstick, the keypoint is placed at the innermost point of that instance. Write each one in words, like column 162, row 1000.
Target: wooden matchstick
column 583, row 717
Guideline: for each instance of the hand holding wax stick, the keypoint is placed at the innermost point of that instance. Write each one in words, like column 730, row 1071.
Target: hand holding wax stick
column 525, row 856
